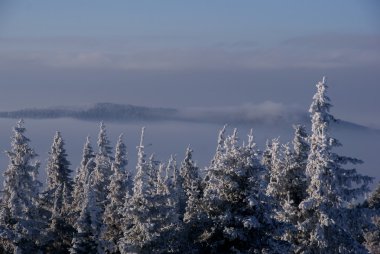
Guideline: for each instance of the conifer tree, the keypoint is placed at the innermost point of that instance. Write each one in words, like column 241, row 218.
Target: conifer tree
column 164, row 213
column 118, row 187
column 193, row 218
column 191, row 184
column 374, row 199
column 137, row 228
column 82, row 174
column 150, row 221
column 276, row 172
column 288, row 176
column 372, row 235
column 19, row 215
column 236, row 203
column 58, row 174
column 102, row 171
column 87, row 237
column 332, row 187
column 372, row 238
column 296, row 175
column 57, row 198
column 105, row 148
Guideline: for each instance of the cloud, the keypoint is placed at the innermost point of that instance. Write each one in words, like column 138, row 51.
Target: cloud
column 317, row 52
column 265, row 113
column 336, row 41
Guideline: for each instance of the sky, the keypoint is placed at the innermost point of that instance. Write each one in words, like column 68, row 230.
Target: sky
column 208, row 56
column 191, row 53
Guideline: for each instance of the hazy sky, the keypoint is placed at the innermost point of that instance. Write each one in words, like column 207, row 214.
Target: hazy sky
column 190, row 53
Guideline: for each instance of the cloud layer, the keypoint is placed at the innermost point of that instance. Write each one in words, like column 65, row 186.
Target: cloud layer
column 316, row 51
column 264, row 113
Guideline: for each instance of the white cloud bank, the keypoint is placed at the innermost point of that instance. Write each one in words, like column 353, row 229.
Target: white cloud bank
column 323, row 51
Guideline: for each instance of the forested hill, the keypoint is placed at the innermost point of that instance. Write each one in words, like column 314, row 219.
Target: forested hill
column 99, row 111
column 266, row 113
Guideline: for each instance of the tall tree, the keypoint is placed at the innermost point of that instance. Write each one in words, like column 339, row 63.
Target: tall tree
column 58, row 173
column 57, row 198
column 105, row 148
column 87, row 238
column 191, row 184
column 372, row 235
column 275, row 165
column 137, row 228
column 288, row 182
column 82, row 173
column 296, row 175
column 19, row 217
column 331, row 188
column 193, row 218
column 236, row 203
column 102, row 171
column 118, row 188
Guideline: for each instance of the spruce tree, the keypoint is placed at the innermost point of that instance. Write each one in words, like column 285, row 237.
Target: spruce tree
column 82, row 174
column 332, row 187
column 137, row 229
column 236, row 204
column 372, row 234
column 19, row 215
column 118, row 187
column 87, row 238
column 102, row 171
column 57, row 198
column 276, row 172
column 296, row 174
column 288, row 182
column 373, row 201
column 58, row 174
column 191, row 185
column 193, row 219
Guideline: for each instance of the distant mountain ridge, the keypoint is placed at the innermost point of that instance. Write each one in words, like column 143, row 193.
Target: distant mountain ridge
column 97, row 112
column 113, row 112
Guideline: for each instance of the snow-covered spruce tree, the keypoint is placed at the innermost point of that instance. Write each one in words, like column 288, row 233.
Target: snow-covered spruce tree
column 175, row 183
column 152, row 175
column 60, row 231
column 296, row 174
column 82, row 175
column 374, row 199
column 118, row 188
column 192, row 217
column 149, row 222
column 58, row 174
column 288, row 176
column 137, row 228
column 121, row 162
column 372, row 236
column 19, row 215
column 220, row 149
column 276, row 172
column 102, row 171
column 165, row 214
column 57, row 198
column 266, row 159
column 236, row 204
column 103, row 143
column 87, row 238
column 332, row 187
column 191, row 184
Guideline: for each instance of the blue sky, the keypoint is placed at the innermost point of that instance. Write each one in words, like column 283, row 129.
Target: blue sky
column 214, row 54
column 190, row 53
column 210, row 20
